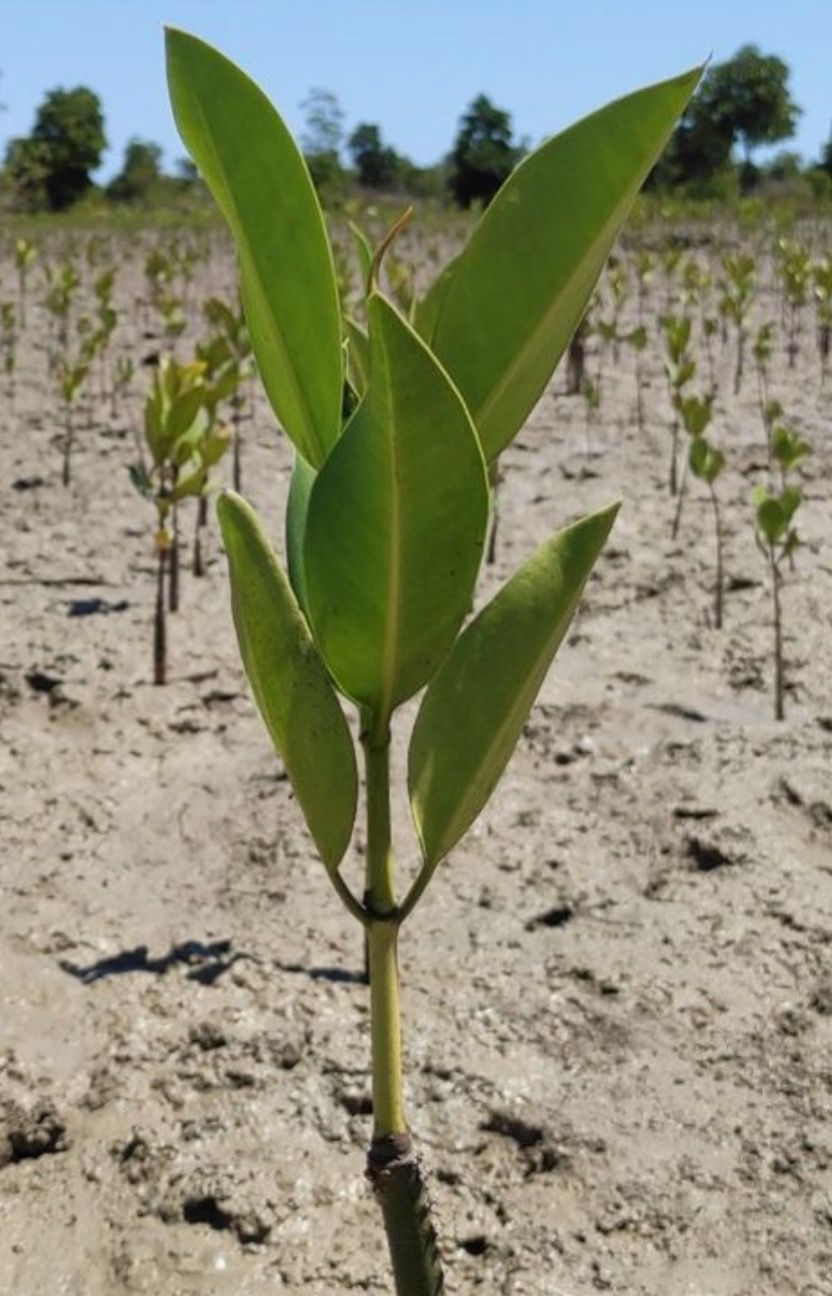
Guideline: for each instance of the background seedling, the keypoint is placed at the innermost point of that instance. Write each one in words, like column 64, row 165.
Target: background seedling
column 8, row 347
column 387, row 513
column 174, row 467
column 777, row 539
column 231, row 325
column 25, row 255
column 707, row 462
column 679, row 368
column 737, row 291
column 695, row 412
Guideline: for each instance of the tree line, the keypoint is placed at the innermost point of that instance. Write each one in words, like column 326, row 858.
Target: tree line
column 742, row 104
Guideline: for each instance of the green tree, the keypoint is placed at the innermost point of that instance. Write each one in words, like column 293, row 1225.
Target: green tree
column 377, row 165
column 483, row 154
column 27, row 166
column 140, row 173
column 322, row 137
column 750, row 94
column 742, row 102
column 53, row 164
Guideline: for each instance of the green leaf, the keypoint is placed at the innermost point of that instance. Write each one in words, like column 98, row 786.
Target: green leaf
column 521, row 285
column 213, row 446
column 290, row 685
column 358, row 356
column 770, row 519
column 297, row 509
column 696, row 414
column 182, row 414
column 475, row 707
column 141, row 480
column 396, row 524
column 428, row 309
column 260, row 182
column 790, row 500
column 364, row 252
column 698, row 456
column 193, row 483
column 715, row 465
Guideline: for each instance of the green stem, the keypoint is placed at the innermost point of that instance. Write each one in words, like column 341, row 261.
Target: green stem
column 382, row 934
column 388, row 1104
column 375, row 740
column 779, row 673
column 392, row 1166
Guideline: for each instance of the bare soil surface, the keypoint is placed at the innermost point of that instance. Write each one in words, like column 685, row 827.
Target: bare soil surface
column 618, row 991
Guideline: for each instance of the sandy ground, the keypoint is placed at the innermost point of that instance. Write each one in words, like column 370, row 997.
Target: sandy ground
column 618, row 991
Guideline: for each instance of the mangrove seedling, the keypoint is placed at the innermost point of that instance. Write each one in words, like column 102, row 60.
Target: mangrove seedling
column 222, row 373
column 63, row 283
column 796, row 275
column 695, row 413
column 25, row 254
column 232, row 325
column 777, row 540
column 735, row 302
column 8, row 347
column 388, row 510
column 173, row 427
column 71, row 377
column 637, row 339
column 707, row 462
column 788, row 448
column 822, row 291
column 679, row 368
column 122, row 378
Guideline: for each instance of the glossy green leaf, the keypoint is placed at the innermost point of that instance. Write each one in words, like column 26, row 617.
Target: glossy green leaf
column 475, row 707
column 427, row 309
column 261, row 184
column 290, row 685
column 396, row 524
column 520, row 287
column 297, row 508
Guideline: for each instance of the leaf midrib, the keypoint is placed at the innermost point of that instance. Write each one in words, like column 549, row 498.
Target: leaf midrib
column 388, row 657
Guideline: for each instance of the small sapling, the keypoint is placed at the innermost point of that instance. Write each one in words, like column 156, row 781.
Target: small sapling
column 388, row 510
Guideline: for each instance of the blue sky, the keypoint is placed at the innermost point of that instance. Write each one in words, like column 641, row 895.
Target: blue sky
column 410, row 66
